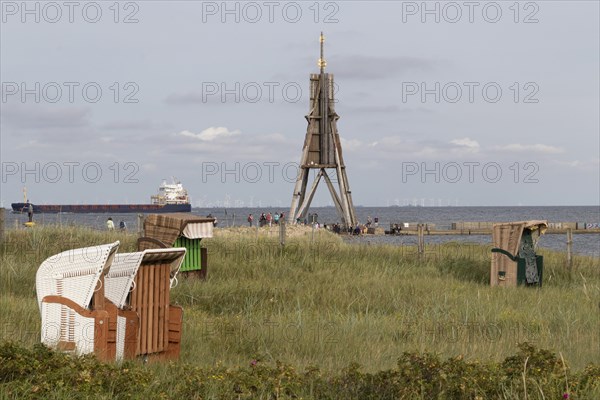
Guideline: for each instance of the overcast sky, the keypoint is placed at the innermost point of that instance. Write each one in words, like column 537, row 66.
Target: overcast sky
column 481, row 103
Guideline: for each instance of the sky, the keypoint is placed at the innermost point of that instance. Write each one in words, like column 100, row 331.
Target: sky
column 440, row 103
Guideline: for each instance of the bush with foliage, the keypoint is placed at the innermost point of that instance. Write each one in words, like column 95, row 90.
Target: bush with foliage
column 531, row 373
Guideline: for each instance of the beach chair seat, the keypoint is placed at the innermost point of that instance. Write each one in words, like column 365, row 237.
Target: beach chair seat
column 70, row 294
column 140, row 282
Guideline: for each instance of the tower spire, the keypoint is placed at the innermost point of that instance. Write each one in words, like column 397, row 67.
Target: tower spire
column 322, row 63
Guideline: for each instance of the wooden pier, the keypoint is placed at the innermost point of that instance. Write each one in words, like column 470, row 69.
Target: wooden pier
column 482, row 232
column 485, row 228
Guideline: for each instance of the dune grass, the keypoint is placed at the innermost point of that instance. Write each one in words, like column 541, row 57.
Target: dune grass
column 318, row 301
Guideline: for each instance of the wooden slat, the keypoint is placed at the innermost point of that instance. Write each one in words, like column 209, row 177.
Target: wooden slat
column 162, row 321
column 131, row 333
column 156, row 306
column 176, row 321
column 98, row 296
column 139, row 292
column 144, row 312
column 166, row 303
column 136, row 308
column 161, row 311
column 100, row 335
column 150, row 299
column 165, row 288
column 111, row 348
column 133, row 306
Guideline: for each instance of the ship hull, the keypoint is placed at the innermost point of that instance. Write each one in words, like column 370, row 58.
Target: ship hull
column 101, row 208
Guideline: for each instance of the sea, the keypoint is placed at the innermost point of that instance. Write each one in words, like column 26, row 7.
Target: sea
column 442, row 217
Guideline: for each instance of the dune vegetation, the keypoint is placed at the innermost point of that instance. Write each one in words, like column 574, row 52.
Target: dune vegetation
column 321, row 318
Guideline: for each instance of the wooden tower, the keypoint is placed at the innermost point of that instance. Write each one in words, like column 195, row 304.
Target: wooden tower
column 322, row 151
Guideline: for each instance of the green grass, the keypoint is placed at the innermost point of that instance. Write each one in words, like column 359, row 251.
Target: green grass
column 321, row 302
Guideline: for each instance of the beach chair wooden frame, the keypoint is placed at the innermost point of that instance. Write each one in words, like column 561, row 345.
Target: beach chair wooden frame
column 140, row 282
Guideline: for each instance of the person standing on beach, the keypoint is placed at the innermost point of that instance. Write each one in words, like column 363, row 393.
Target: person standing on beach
column 110, row 225
column 211, row 216
column 250, row 220
column 269, row 219
column 30, row 211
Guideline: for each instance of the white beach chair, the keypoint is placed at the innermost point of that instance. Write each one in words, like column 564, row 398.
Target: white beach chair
column 70, row 296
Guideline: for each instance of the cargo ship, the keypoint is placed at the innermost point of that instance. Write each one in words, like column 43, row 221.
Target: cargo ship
column 170, row 198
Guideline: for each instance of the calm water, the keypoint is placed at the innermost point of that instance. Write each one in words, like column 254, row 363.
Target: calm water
column 441, row 216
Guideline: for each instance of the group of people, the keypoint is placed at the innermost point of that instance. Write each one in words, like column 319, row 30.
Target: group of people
column 267, row 219
column 371, row 222
column 311, row 219
column 110, row 225
column 337, row 228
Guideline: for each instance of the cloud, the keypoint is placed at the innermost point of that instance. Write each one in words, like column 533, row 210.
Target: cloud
column 222, row 144
column 592, row 165
column 32, row 144
column 403, row 146
column 530, row 148
column 468, row 144
column 210, row 134
column 47, row 117
column 56, row 127
column 351, row 144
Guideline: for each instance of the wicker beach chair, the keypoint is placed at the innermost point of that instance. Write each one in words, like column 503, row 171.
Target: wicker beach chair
column 70, row 296
column 514, row 261
column 140, row 283
column 180, row 230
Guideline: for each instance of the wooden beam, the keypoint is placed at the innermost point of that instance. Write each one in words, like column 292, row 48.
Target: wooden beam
column 311, row 194
column 334, row 195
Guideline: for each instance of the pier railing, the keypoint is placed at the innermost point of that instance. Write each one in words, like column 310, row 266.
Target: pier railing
column 484, row 228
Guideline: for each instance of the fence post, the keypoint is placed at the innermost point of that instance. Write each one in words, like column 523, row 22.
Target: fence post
column 569, row 249
column 282, row 232
column 140, row 225
column 1, row 225
column 421, row 239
